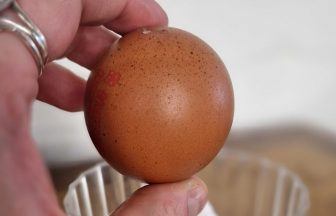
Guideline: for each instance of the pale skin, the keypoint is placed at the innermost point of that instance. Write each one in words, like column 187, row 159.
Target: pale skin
column 72, row 29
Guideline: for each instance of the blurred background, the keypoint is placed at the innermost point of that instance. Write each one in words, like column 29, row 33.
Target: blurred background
column 281, row 58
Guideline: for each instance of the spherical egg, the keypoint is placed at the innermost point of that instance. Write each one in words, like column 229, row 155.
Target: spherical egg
column 159, row 105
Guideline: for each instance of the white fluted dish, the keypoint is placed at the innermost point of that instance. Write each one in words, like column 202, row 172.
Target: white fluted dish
column 242, row 185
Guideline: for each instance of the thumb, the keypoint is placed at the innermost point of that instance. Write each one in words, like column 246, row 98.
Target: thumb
column 185, row 198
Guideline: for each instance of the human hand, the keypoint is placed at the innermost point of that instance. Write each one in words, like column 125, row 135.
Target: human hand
column 72, row 29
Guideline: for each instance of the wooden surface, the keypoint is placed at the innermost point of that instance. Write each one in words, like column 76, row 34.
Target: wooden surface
column 308, row 152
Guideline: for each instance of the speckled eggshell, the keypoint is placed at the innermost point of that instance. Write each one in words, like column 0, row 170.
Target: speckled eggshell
column 159, row 105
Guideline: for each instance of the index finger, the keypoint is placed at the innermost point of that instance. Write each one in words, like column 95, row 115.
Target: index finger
column 123, row 16
column 59, row 19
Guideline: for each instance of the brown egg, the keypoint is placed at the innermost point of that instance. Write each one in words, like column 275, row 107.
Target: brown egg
column 159, row 105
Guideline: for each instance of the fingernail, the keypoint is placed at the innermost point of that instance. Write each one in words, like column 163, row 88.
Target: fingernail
column 196, row 197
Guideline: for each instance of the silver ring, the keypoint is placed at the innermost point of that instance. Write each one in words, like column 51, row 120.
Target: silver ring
column 27, row 30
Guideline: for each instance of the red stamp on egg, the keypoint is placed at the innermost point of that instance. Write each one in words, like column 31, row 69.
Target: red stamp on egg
column 101, row 97
column 113, row 78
